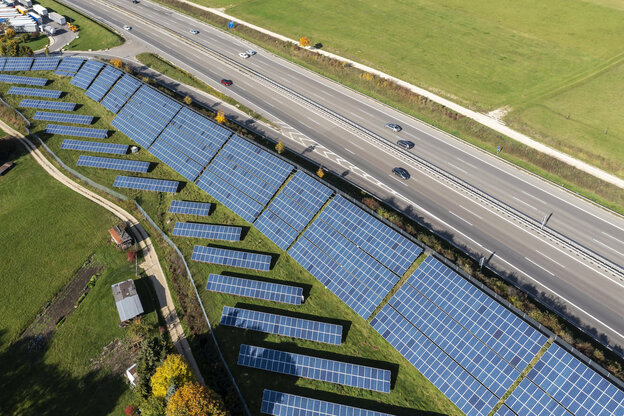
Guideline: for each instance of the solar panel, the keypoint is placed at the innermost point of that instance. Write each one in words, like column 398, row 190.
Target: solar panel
column 103, row 83
column 76, row 131
column 282, row 325
column 99, row 147
column 315, row 368
column 47, row 105
column 282, row 404
column 2, row 62
column 504, row 411
column 17, row 79
column 35, row 92
column 201, row 209
column 275, row 229
column 255, row 289
column 233, row 258
column 207, row 231
column 69, row 66
column 120, row 93
column 47, row 63
column 18, row 64
column 307, row 191
column 146, row 184
column 63, row 117
column 87, row 74
column 371, row 235
column 182, row 164
column 528, row 399
column 117, row 164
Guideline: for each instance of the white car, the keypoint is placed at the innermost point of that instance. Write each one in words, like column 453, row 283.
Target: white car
column 194, row 31
column 243, row 55
column 250, row 52
column 126, row 27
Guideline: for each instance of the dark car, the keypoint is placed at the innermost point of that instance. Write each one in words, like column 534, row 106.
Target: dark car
column 401, row 173
column 394, row 127
column 405, row 144
column 226, row 82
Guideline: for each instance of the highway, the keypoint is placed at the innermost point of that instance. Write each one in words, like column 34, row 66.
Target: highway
column 480, row 202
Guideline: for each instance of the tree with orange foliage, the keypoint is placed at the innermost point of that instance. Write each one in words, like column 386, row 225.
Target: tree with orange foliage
column 220, row 117
column 116, row 62
column 188, row 100
column 279, row 147
column 303, row 41
column 320, row 172
column 193, row 399
column 173, row 370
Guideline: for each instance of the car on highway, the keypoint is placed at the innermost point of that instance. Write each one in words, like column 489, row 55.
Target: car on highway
column 194, row 31
column 394, row 127
column 406, row 144
column 401, row 173
column 126, row 27
column 226, row 82
column 243, row 55
column 250, row 52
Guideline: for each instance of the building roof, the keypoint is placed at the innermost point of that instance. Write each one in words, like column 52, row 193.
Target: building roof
column 127, row 300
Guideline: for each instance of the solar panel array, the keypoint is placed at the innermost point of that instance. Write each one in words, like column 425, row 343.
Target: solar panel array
column 69, row 66
column 63, row 117
column 99, row 147
column 35, row 92
column 207, row 231
column 76, row 131
column 47, row 105
column 292, row 209
column 315, row 368
column 282, row 325
column 282, row 404
column 233, row 258
column 120, row 93
column 47, row 63
column 146, row 184
column 504, row 411
column 201, row 209
column 528, row 399
column 255, row 289
column 117, row 164
column 87, row 74
column 104, row 81
column 18, row 79
column 18, row 64
column 2, row 61
column 182, row 164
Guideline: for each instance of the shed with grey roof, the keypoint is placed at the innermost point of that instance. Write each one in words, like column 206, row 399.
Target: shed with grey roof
column 127, row 300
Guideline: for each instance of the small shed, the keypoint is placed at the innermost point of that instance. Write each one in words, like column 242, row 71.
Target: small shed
column 120, row 236
column 131, row 373
column 127, row 300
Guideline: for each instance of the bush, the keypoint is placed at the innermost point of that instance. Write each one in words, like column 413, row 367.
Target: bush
column 195, row 400
column 174, row 370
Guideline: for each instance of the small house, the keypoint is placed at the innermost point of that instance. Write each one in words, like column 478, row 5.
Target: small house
column 131, row 373
column 127, row 300
column 120, row 236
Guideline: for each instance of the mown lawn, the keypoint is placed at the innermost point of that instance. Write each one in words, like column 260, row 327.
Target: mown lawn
column 38, row 43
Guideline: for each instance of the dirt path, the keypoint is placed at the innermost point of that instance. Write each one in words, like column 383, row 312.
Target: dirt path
column 151, row 265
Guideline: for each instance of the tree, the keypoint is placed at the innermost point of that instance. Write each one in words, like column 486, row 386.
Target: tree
column 150, row 357
column 116, row 62
column 175, row 369
column 188, row 100
column 220, row 117
column 304, row 42
column 47, row 51
column 320, row 172
column 153, row 406
column 9, row 33
column 279, row 147
column 194, row 399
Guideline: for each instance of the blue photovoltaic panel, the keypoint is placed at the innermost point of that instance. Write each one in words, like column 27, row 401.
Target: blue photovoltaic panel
column 306, row 366
column 290, row 212
column 470, row 396
column 504, row 411
column 255, row 289
column 282, row 404
column 232, row 198
column 120, row 93
column 575, row 385
column 47, row 63
column 63, row 117
column 499, row 328
column 232, row 258
column 117, row 164
column 17, row 79
column 69, row 66
column 2, row 62
column 47, row 105
column 371, row 235
column 99, row 147
column 529, row 400
column 103, row 83
column 146, row 184
column 87, row 74
column 207, row 231
column 182, row 164
column 276, row 230
column 243, row 180
column 307, row 191
column 18, row 64
column 35, row 92
column 201, row 209
column 76, row 131
column 282, row 325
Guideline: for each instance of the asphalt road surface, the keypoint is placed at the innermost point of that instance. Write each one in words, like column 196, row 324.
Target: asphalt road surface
column 478, row 201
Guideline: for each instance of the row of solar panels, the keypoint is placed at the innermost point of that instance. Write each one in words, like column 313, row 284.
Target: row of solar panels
column 66, row 66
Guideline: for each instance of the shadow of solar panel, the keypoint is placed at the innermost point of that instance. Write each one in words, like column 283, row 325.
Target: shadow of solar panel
column 48, row 63
column 504, row 411
column 201, row 209
column 18, row 64
column 470, row 396
column 282, row 325
column 69, row 66
column 315, row 368
column 103, row 83
column 146, row 184
column 47, row 105
column 275, row 229
column 76, row 131
column 371, row 235
column 99, row 147
column 243, row 259
column 282, row 404
column 528, row 399
column 182, row 164
column 35, row 92
column 17, row 79
column 120, row 93
column 207, row 231
column 117, row 164
column 63, row 117
column 255, row 289
column 87, row 74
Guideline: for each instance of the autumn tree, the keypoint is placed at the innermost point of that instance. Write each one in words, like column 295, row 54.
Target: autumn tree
column 188, row 100
column 9, row 33
column 174, row 370
column 320, row 172
column 47, row 51
column 304, row 42
column 116, row 62
column 193, row 399
column 279, row 147
column 220, row 117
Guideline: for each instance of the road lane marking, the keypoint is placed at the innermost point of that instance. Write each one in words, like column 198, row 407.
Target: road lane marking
column 525, row 203
column 401, row 181
column 452, row 213
column 534, row 197
column 609, row 247
column 457, row 167
column 610, row 236
column 543, row 268
column 350, row 151
column 314, row 121
column 466, row 163
column 478, row 216
column 557, row 263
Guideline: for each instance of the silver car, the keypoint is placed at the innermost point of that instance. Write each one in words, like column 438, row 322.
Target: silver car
column 394, row 127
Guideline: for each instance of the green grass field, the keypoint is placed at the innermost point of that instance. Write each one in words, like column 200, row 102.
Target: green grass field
column 38, row 43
